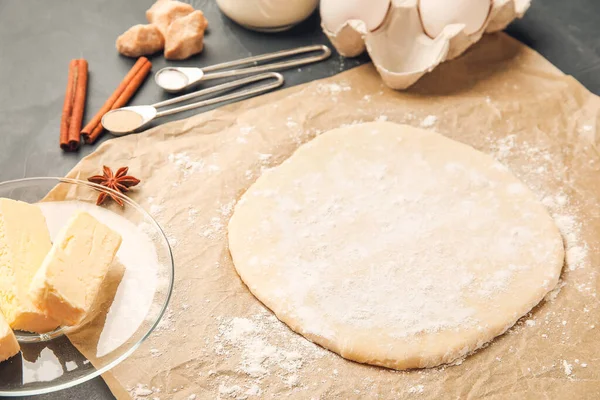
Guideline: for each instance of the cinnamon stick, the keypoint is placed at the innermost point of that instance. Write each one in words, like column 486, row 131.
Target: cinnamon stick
column 74, row 105
column 126, row 89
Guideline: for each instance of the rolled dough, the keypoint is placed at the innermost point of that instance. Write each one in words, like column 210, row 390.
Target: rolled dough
column 394, row 246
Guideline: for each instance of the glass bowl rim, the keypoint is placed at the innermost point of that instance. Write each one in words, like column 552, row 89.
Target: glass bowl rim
column 126, row 354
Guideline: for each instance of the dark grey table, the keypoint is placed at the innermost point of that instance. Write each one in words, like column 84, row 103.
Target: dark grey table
column 39, row 37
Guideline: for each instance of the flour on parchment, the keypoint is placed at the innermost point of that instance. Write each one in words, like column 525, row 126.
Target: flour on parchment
column 543, row 169
column 255, row 344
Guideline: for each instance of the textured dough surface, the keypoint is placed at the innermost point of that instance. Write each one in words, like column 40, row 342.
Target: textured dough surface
column 394, row 246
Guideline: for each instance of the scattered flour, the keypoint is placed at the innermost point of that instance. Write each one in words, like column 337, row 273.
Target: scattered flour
column 167, row 322
column 254, row 343
column 551, row 296
column 428, row 121
column 192, row 214
column 172, row 241
column 503, row 147
column 290, row 123
column 541, row 162
column 541, row 168
column 156, row 209
column 333, row 88
column 233, row 391
column 246, row 129
column 264, row 157
column 237, row 392
column 185, row 164
column 416, row 389
column 568, row 368
column 155, row 353
column 215, row 228
column 140, row 391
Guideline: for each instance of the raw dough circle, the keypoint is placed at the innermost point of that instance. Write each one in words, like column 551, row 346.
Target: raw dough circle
column 394, row 246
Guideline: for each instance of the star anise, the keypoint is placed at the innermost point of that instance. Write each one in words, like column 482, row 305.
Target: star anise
column 120, row 182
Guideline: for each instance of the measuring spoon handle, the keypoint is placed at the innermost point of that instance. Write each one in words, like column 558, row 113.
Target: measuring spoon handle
column 324, row 53
column 219, row 88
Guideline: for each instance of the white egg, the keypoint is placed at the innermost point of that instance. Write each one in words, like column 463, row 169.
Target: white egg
column 437, row 14
column 335, row 13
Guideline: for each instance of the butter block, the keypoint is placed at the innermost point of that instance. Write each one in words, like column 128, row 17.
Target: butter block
column 24, row 242
column 8, row 342
column 70, row 277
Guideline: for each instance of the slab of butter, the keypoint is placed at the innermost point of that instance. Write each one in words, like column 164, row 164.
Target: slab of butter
column 8, row 342
column 24, row 242
column 68, row 281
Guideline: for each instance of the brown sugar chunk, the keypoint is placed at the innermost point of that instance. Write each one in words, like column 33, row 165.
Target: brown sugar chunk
column 185, row 36
column 140, row 40
column 164, row 12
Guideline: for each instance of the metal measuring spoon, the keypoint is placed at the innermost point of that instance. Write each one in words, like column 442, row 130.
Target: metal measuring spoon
column 173, row 79
column 130, row 119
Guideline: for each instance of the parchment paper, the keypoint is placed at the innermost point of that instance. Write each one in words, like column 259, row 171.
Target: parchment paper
column 218, row 341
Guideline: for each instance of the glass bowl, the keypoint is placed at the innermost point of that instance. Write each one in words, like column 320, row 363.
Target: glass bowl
column 132, row 301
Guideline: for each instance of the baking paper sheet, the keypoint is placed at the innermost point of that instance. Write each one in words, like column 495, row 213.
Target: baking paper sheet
column 217, row 341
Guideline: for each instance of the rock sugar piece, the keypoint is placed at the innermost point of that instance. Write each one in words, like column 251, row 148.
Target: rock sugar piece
column 24, row 242
column 8, row 342
column 395, row 246
column 164, row 12
column 140, row 40
column 185, row 36
column 68, row 281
